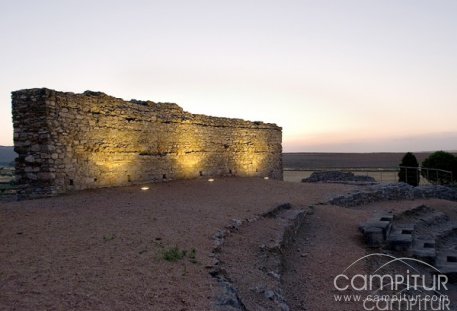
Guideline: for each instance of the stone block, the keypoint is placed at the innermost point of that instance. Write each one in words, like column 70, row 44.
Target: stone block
column 46, row 176
column 446, row 262
column 401, row 237
column 424, row 249
column 374, row 237
column 29, row 159
column 383, row 222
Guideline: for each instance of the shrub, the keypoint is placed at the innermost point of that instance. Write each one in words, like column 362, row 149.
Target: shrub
column 173, row 254
column 443, row 161
column 409, row 175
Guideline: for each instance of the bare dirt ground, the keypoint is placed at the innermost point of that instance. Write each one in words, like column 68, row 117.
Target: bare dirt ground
column 328, row 243
column 104, row 249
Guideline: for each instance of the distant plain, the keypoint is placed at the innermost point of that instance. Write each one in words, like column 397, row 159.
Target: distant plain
column 383, row 166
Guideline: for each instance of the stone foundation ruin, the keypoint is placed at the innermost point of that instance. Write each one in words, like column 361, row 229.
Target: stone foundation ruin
column 68, row 141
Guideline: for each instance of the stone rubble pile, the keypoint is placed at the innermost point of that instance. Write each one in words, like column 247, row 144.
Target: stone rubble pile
column 392, row 192
column 337, row 177
column 422, row 233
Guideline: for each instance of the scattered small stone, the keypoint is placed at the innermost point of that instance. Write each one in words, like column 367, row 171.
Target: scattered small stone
column 393, row 192
column 269, row 294
column 274, row 274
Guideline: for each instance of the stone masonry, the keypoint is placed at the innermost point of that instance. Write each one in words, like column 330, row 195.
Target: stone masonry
column 68, row 141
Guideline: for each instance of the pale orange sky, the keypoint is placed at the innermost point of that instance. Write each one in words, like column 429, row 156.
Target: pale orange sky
column 342, row 76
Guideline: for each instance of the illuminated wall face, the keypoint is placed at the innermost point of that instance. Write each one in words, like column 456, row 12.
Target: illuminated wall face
column 69, row 141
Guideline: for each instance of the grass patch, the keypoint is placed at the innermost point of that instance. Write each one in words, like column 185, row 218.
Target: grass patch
column 174, row 254
column 107, row 238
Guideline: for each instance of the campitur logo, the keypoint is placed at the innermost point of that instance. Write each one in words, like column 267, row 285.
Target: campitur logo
column 392, row 283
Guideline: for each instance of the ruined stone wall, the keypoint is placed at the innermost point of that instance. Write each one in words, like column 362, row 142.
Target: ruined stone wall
column 68, row 141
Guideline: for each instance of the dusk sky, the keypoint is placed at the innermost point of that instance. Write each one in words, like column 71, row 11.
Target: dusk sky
column 338, row 76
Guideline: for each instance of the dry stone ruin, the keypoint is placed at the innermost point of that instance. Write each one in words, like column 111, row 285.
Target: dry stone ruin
column 68, row 141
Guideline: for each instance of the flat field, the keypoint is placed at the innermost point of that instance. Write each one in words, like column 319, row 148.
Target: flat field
column 381, row 166
column 305, row 160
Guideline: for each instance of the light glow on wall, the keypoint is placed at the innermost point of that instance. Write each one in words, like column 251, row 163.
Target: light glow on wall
column 190, row 156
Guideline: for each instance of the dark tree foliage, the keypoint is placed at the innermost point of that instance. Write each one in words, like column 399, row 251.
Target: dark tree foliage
column 409, row 170
column 443, row 161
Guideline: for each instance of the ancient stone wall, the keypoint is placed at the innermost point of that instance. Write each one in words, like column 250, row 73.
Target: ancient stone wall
column 68, row 141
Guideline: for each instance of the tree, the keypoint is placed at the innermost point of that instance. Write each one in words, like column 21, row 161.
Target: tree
column 409, row 170
column 443, row 161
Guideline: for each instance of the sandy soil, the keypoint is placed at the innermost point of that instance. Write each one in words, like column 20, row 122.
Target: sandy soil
column 103, row 249
column 328, row 243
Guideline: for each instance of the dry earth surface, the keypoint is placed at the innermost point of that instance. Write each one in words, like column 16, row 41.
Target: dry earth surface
column 104, row 249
